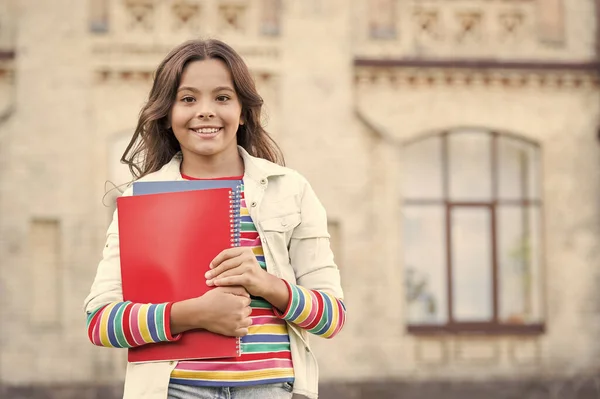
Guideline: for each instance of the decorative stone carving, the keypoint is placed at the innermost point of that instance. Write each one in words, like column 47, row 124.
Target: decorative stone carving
column 111, row 75
column 232, row 17
column 470, row 25
column 427, row 21
column 439, row 24
column 7, row 73
column 141, row 14
column 511, row 23
column 423, row 78
column 186, row 14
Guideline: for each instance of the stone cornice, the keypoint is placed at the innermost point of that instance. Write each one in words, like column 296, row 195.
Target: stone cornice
column 7, row 54
column 514, row 75
column 485, row 64
column 130, row 75
column 7, row 72
column 103, row 75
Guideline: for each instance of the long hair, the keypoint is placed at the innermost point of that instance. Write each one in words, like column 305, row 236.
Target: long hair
column 153, row 144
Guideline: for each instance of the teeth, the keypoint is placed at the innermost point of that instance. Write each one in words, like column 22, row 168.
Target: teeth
column 207, row 130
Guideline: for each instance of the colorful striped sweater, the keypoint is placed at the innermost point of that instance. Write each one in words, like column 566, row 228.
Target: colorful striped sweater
column 266, row 356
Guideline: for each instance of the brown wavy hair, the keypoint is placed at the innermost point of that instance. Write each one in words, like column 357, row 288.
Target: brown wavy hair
column 153, row 144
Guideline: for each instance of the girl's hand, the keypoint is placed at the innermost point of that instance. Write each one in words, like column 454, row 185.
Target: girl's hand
column 223, row 310
column 238, row 266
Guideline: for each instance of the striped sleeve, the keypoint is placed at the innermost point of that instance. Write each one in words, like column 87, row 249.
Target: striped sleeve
column 127, row 324
column 315, row 311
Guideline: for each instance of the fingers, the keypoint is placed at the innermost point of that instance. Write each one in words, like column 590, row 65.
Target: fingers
column 240, row 332
column 228, row 254
column 236, row 290
column 226, row 265
column 235, row 271
column 248, row 313
column 228, row 281
column 243, row 328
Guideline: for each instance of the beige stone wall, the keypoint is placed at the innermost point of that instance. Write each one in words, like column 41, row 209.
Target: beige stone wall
column 7, row 89
column 8, row 23
column 564, row 122
column 46, row 151
column 77, row 96
column 528, row 30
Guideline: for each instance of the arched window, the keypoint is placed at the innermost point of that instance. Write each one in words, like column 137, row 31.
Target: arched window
column 472, row 213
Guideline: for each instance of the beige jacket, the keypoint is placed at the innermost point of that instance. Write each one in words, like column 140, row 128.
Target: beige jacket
column 292, row 225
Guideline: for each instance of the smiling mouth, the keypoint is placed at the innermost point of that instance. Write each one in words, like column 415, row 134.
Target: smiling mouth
column 207, row 130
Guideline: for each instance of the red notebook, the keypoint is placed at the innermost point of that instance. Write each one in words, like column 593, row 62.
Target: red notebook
column 167, row 242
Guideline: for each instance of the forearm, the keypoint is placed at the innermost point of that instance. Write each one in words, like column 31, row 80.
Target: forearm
column 318, row 312
column 186, row 316
column 127, row 325
column 278, row 293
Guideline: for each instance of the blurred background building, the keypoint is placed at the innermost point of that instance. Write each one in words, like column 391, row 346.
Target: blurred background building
column 453, row 142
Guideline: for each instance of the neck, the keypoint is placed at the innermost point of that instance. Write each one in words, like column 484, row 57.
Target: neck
column 212, row 167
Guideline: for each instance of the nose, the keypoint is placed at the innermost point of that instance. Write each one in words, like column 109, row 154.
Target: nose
column 205, row 114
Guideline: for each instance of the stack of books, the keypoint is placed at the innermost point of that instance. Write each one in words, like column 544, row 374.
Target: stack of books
column 169, row 232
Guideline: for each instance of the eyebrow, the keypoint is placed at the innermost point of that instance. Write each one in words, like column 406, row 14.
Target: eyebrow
column 216, row 89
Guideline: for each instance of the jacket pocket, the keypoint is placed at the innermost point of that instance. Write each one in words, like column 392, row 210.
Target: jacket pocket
column 278, row 233
column 281, row 224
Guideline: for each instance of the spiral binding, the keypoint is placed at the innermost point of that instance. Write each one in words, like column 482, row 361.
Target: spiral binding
column 235, row 220
column 235, row 200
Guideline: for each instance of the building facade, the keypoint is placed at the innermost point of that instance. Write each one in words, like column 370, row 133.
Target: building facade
column 453, row 143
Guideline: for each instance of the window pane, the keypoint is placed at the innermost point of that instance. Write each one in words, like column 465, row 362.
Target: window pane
column 423, row 169
column 425, row 264
column 47, row 272
column 271, row 17
column 551, row 21
column 517, row 169
column 471, row 264
column 470, row 166
column 99, row 15
column 519, row 264
column 382, row 19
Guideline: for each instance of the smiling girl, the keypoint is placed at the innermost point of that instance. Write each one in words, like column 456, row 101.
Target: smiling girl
column 202, row 121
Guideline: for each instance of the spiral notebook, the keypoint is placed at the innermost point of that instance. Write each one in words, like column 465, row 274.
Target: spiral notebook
column 155, row 187
column 167, row 242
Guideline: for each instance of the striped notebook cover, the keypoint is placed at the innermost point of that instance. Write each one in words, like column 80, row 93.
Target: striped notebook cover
column 167, row 242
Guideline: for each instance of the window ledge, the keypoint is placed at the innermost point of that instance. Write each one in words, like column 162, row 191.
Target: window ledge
column 478, row 328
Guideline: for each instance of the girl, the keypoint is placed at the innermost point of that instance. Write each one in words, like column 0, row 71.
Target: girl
column 202, row 121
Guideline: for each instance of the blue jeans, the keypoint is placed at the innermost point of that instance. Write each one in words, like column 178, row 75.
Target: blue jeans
column 266, row 391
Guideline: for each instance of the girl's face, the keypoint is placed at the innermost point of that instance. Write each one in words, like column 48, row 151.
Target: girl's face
column 206, row 113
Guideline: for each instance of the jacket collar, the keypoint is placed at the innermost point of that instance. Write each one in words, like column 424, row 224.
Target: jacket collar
column 258, row 168
column 254, row 168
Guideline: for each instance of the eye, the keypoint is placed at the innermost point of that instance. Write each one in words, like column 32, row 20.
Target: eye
column 188, row 99
column 222, row 98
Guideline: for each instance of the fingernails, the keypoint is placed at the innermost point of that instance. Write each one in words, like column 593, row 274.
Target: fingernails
column 210, row 282
column 208, row 275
